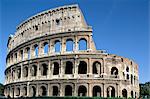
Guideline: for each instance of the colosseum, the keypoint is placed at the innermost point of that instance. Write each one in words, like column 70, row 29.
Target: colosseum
column 53, row 54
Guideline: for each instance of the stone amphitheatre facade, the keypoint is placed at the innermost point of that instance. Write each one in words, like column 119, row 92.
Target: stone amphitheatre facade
column 46, row 58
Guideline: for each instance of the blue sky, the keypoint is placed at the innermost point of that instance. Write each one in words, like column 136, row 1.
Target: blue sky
column 119, row 26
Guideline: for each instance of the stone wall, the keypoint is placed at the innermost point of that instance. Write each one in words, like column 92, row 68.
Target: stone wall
column 36, row 67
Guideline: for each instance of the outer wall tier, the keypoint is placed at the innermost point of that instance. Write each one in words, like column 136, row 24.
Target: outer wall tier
column 105, row 72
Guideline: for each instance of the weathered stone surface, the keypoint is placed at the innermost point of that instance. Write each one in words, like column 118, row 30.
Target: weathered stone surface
column 33, row 71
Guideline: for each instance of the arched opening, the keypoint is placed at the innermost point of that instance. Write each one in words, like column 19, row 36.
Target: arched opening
column 19, row 73
column 114, row 71
column 28, row 52
column 96, row 68
column 132, row 96
column 56, row 68
column 21, row 54
column 110, row 91
column 68, row 90
column 82, row 44
column 13, row 92
column 57, row 46
column 55, row 91
column 82, row 91
column 16, row 57
column 124, row 93
column 44, row 69
column 134, row 79
column 82, row 69
column 13, row 74
column 131, row 79
column 43, row 91
column 34, row 70
column 25, row 91
column 69, row 45
column 18, row 92
column 69, row 68
column 25, row 71
column 127, row 70
column 96, row 91
column 36, row 50
column 33, row 91
column 46, row 48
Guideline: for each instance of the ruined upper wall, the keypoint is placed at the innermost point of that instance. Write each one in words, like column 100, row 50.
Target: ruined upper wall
column 58, row 20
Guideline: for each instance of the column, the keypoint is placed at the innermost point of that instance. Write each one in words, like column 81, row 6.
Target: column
column 37, row 90
column 90, row 90
column 49, row 69
column 49, row 47
column 89, row 67
column 76, row 67
column 32, row 52
column 21, row 72
column 61, row 69
column 117, row 90
column 29, row 71
column 63, row 45
column 38, row 71
column 28, row 89
column 89, row 42
column 48, row 90
column 104, row 90
column 61, row 89
column 103, row 68
column 75, row 90
column 40, row 50
column 75, row 49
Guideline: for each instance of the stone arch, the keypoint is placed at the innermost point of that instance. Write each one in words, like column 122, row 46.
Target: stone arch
column 124, row 93
column 127, row 71
column 13, row 74
column 56, row 68
column 132, row 94
column 19, row 73
column 114, row 71
column 46, row 47
column 44, row 69
column 68, row 90
column 97, row 91
column 33, row 70
column 82, row 44
column 36, row 50
column 43, row 91
column 55, row 91
column 8, row 92
column 69, row 45
column 110, row 91
column 96, row 67
column 24, row 91
column 25, row 71
column 57, row 46
column 69, row 67
column 12, row 92
column 17, row 92
column 27, row 52
column 33, row 91
column 21, row 54
column 82, row 91
column 82, row 69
